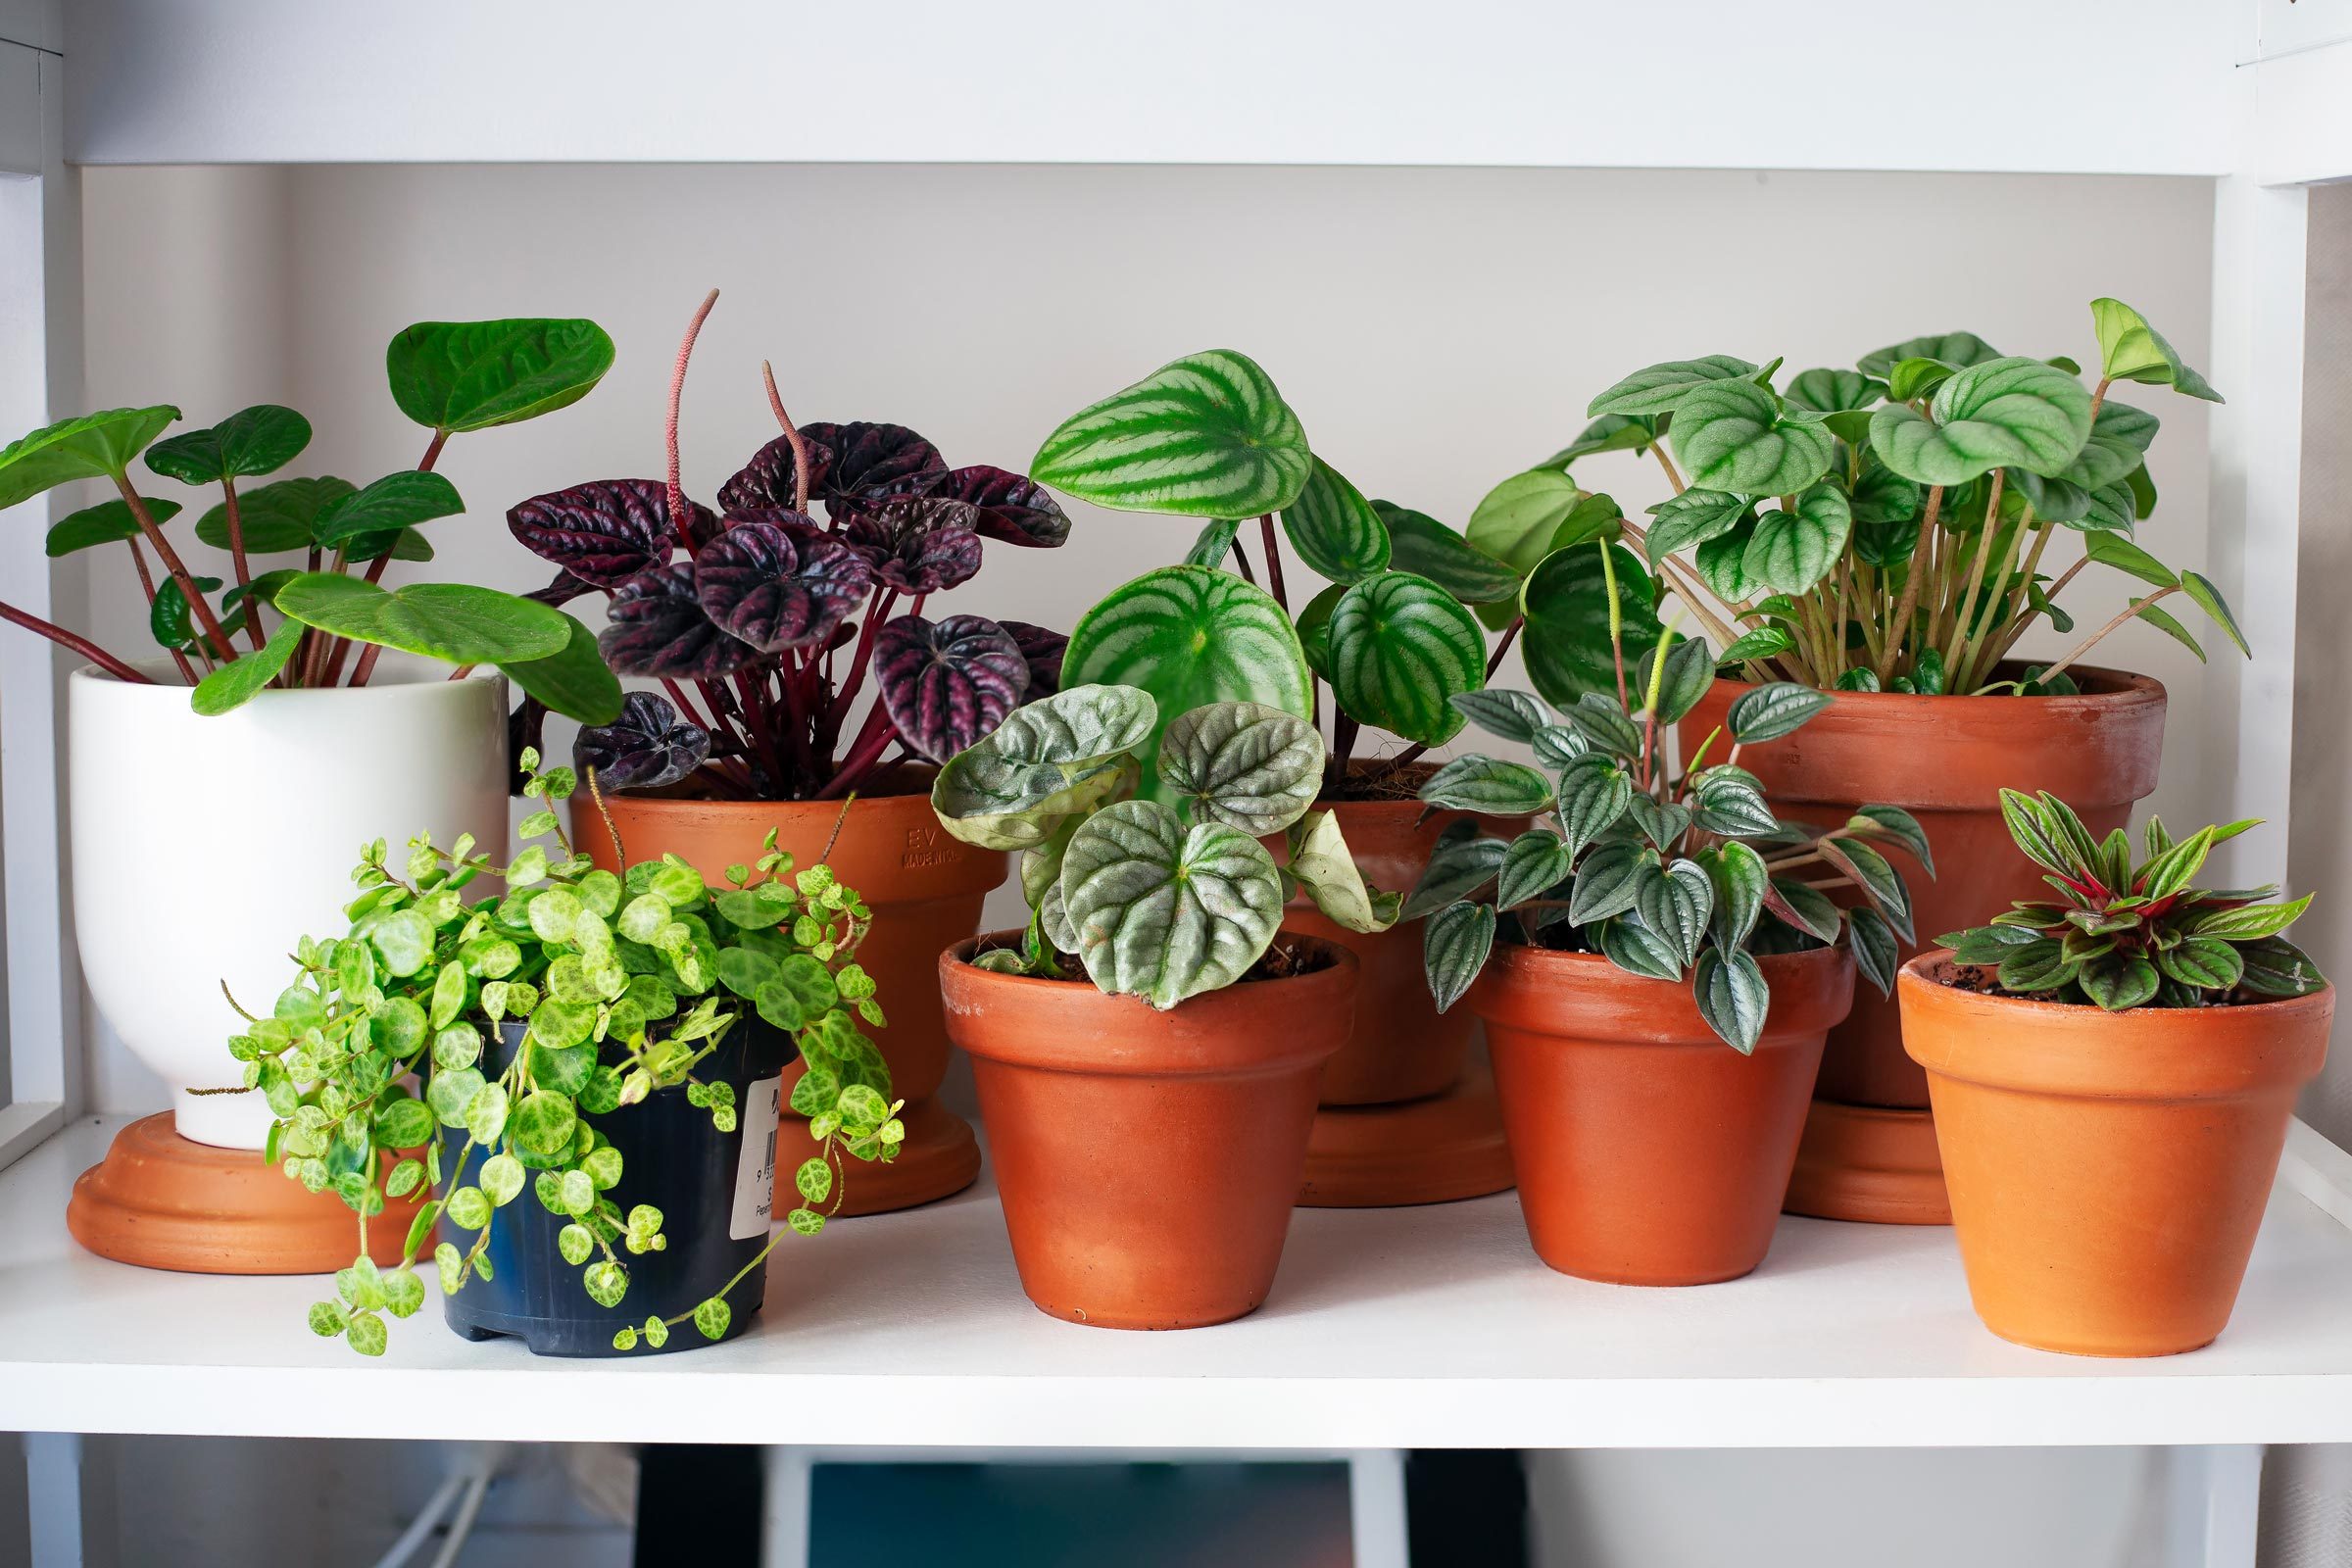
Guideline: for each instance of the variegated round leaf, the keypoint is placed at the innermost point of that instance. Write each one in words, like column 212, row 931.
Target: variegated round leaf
column 1401, row 647
column 1164, row 913
column 1205, row 436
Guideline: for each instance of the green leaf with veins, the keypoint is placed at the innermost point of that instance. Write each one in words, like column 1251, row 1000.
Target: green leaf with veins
column 2003, row 413
column 1735, row 436
column 1205, row 436
column 233, row 685
column 1048, row 762
column 1164, row 913
column 1566, row 603
column 1959, row 349
column 1533, row 864
column 1488, row 784
column 277, row 516
column 1828, row 391
column 1455, row 944
column 1213, row 543
column 1334, row 528
column 2118, row 444
column 111, row 522
column 1515, row 522
column 1662, row 388
column 453, row 621
column 1790, row 552
column 93, row 446
column 249, row 443
column 1427, row 548
column 2131, row 350
column 1733, row 997
column 399, row 499
column 1401, row 647
column 1245, row 764
column 1611, row 432
column 1691, row 518
column 471, row 375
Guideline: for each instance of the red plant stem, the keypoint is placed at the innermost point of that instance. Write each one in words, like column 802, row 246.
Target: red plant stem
column 871, row 742
column 179, row 572
column 237, row 553
column 1344, row 731
column 1273, row 549
column 80, row 645
column 138, row 559
column 681, row 517
column 432, row 452
column 792, row 438
column 366, row 665
column 1510, row 634
column 1241, row 560
column 677, row 695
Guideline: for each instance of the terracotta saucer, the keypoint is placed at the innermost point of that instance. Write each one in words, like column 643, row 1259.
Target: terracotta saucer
column 163, row 1201
column 941, row 1157
column 1864, row 1162
column 1433, row 1150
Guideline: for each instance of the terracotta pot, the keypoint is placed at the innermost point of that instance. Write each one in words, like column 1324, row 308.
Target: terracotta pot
column 1649, row 1151
column 1945, row 760
column 2107, row 1171
column 1148, row 1161
column 924, row 886
column 1402, row 1048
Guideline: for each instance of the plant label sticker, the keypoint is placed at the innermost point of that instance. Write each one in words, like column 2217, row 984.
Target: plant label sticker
column 755, row 1172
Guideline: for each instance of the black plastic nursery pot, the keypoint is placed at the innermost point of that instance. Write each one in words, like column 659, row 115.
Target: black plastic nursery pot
column 715, row 1191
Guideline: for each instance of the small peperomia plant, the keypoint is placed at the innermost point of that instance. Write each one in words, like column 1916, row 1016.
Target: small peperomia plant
column 1157, row 901
column 2134, row 935
column 1396, row 634
column 374, row 1059
column 1668, row 875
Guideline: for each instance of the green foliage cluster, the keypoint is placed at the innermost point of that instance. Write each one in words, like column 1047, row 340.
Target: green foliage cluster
column 2134, row 934
column 373, row 1058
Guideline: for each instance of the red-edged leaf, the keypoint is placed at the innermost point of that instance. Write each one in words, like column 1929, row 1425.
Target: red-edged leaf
column 1043, row 649
column 916, row 544
column 604, row 531
column 659, row 627
column 870, row 460
column 774, row 590
column 947, row 685
column 767, row 480
column 1011, row 507
column 647, row 747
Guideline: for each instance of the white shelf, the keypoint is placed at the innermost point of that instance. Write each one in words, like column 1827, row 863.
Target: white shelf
column 1402, row 1327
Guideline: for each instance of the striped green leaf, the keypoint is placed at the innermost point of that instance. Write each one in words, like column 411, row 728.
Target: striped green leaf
column 1663, row 388
column 1959, row 349
column 1401, row 647
column 1453, row 948
column 1732, row 997
column 1427, row 548
column 1334, row 528
column 1566, row 603
column 1190, row 636
column 1205, row 436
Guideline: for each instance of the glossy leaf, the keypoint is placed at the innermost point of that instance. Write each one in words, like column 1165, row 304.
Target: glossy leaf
column 1736, row 875
column 760, row 583
column 768, row 481
column 1790, row 552
column 870, row 461
column 604, row 532
column 1203, row 436
column 1609, row 882
column 1006, row 506
column 1042, row 648
column 574, row 681
column 453, row 621
column 1663, row 388
column 2131, row 350
column 1732, row 435
column 1191, row 636
column 1164, row 913
column 233, row 685
column 1512, row 716
column 916, row 544
column 1879, row 881
column 647, row 747
column 366, row 519
column 1675, row 904
column 1427, row 548
column 1245, row 764
column 1733, row 997
column 1566, row 603
column 108, row 523
column 471, row 375
column 1533, row 864
column 250, row 442
column 1488, row 784
column 274, row 517
column 1048, row 760
column 1401, row 647
column 947, row 684
column 1460, row 865
column 1768, row 712
column 657, row 627
column 93, row 446
column 1878, row 954
column 1334, row 528
column 1593, row 794
column 1214, row 543
column 1689, row 519
column 1895, row 824
column 1455, row 944
column 2003, row 413
column 169, row 618
column 1690, row 672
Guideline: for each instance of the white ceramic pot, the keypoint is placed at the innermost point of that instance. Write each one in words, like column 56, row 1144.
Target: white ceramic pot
column 204, row 848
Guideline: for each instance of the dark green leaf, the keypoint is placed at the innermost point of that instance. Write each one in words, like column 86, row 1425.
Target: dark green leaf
column 1675, row 904
column 1737, row 875
column 1334, row 528
column 1593, row 794
column 1566, row 603
column 1732, row 997
column 250, row 442
column 1509, row 715
column 1894, row 822
column 1768, row 712
column 1401, row 647
column 1427, row 548
column 365, row 520
column 1454, row 949
column 471, row 375
column 2209, row 600
column 1876, row 952
column 274, row 517
column 1478, row 783
column 1535, row 862
column 108, row 523
column 1456, row 870
column 1690, row 672
column 1609, row 882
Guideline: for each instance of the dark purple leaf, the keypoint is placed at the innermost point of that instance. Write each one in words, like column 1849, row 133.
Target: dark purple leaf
column 775, row 591
column 948, row 684
column 1043, row 650
column 658, row 628
column 605, row 531
column 563, row 591
column 647, row 747
column 767, row 480
column 872, row 459
column 799, row 524
column 916, row 544
column 1010, row 508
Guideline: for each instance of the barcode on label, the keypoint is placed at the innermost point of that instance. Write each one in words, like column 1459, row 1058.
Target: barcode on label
column 755, row 1172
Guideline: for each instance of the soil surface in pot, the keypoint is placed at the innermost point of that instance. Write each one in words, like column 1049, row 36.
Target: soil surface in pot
column 1284, row 960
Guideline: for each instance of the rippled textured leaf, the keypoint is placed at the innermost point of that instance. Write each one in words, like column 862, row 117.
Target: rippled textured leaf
column 1205, row 436
column 2003, row 413
column 1732, row 997
column 1690, row 672
column 1876, row 954
column 93, row 446
column 1512, row 716
column 1593, row 794
column 1401, row 647
column 1566, row 602
column 1691, row 518
column 660, row 628
column 766, row 481
column 760, row 583
column 1334, row 528
column 1675, row 904
column 1455, row 944
column 1191, row 636
column 1533, row 864
column 1661, row 388
column 249, row 443
column 1609, row 882
column 1959, row 350
column 1737, row 874
column 1768, row 712
column 471, row 375
column 1043, row 651
column 1828, row 391
column 453, row 621
column 1163, row 912
column 1789, row 552
column 604, row 532
column 1245, row 764
column 1427, row 548
column 1732, row 435
column 1048, row 760
column 916, row 544
column 2119, row 437
column 946, row 684
column 365, row 521
column 1461, row 863
column 870, row 460
column 1488, row 784
column 1008, row 506
column 649, row 746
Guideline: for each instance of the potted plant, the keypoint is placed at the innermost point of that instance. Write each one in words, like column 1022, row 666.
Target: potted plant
column 765, row 628
column 1888, row 533
column 1394, row 635
column 614, row 1044
column 1148, row 1051
column 284, row 735
column 2112, row 1071
column 1651, row 917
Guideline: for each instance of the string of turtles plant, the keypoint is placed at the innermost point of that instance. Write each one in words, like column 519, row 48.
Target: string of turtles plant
column 1161, row 900
column 1681, row 875
column 1886, row 527
column 2125, row 934
column 749, row 608
column 450, row 376
column 619, row 987
column 1402, row 627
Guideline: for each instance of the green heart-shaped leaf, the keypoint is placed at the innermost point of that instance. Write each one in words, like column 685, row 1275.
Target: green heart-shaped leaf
column 1661, row 388
column 93, row 446
column 108, row 523
column 1454, row 949
column 1325, row 870
column 277, row 516
column 250, row 442
column 2131, row 350
column 1835, row 391
column 1533, row 864
column 471, row 375
column 1048, row 762
column 1791, row 551
column 2118, row 444
column 1515, row 522
column 1191, row 636
column 1401, row 647
column 1566, row 603
column 1691, row 518
column 1245, row 764
column 233, row 685
column 1427, row 548
column 1957, row 349
column 1478, row 783
column 2003, row 413
column 1205, row 436
column 1732, row 435
column 574, row 681
column 1732, row 997
column 1162, row 913
column 1737, row 874
column 1913, row 380
column 1675, row 904
column 1690, row 670
column 397, row 501
column 453, row 621
column 1334, row 528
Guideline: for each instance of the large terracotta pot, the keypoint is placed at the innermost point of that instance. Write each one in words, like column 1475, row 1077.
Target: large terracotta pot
column 1147, row 1161
column 2107, row 1171
column 1649, row 1151
column 925, row 889
column 1945, row 760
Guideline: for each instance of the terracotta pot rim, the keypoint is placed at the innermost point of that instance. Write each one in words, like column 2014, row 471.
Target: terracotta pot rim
column 2115, row 690
column 1930, row 967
